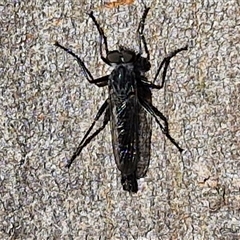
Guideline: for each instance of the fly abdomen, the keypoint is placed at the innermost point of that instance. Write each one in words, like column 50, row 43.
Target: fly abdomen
column 129, row 183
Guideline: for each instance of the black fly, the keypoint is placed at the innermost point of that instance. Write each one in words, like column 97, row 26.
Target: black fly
column 129, row 105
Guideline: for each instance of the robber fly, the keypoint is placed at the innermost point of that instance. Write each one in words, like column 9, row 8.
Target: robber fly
column 129, row 106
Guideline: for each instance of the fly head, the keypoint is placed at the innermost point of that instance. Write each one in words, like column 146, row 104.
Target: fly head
column 121, row 57
column 127, row 56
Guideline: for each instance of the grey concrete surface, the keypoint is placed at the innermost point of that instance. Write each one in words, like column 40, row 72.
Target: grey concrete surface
column 46, row 105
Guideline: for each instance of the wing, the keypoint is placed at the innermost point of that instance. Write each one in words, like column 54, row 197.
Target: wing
column 130, row 122
column 131, row 128
column 124, row 125
column 124, row 118
column 144, row 133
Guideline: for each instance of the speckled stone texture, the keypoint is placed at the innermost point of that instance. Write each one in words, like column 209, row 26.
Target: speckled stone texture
column 46, row 105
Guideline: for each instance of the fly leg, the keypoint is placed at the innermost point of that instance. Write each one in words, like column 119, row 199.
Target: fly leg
column 100, row 82
column 157, row 114
column 86, row 139
column 141, row 37
column 103, row 38
column 164, row 64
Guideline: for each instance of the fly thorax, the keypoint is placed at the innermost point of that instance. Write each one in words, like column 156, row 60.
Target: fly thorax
column 122, row 81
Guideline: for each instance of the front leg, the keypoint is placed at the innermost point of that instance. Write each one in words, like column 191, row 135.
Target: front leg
column 100, row 82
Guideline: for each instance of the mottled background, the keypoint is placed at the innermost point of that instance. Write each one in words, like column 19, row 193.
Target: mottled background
column 46, row 105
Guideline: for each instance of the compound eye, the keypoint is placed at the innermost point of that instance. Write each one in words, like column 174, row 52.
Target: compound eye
column 128, row 56
column 114, row 57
